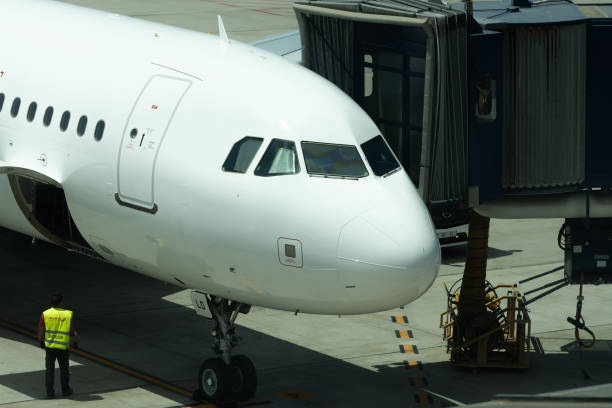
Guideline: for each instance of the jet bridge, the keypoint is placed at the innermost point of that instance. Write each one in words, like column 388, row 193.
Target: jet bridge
column 404, row 63
column 501, row 104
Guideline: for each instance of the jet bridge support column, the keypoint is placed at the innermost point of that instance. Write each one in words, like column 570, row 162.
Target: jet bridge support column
column 472, row 300
column 482, row 328
column 472, row 317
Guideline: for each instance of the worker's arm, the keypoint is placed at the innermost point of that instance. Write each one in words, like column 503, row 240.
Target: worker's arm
column 73, row 333
column 41, row 330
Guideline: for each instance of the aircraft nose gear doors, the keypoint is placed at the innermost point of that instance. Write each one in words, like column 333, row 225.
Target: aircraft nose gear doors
column 226, row 378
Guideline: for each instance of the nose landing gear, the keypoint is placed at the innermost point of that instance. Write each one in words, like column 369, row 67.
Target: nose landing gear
column 227, row 377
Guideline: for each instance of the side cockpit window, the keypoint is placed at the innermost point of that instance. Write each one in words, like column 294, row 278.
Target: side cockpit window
column 242, row 154
column 280, row 158
column 380, row 157
column 332, row 160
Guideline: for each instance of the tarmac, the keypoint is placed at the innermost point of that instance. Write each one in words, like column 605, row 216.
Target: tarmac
column 244, row 20
column 141, row 342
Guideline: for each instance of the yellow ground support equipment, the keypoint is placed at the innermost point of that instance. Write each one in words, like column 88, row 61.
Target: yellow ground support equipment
column 501, row 339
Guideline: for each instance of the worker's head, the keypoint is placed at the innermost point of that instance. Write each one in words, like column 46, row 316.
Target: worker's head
column 57, row 299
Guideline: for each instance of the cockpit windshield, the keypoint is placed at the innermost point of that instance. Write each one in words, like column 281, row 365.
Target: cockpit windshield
column 242, row 154
column 333, row 160
column 280, row 158
column 380, row 157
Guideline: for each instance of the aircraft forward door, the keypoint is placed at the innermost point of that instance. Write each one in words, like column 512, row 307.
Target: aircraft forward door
column 142, row 138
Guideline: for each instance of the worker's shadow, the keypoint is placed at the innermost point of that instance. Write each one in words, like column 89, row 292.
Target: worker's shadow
column 32, row 384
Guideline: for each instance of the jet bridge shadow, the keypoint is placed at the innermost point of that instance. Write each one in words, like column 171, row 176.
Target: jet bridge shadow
column 132, row 320
column 548, row 373
column 451, row 255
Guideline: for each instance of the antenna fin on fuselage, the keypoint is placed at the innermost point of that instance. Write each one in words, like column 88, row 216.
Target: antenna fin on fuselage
column 222, row 33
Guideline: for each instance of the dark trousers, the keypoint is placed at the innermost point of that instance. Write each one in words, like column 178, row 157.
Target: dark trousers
column 62, row 359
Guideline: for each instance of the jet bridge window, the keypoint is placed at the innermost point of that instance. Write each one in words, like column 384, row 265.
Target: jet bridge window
column 48, row 116
column 333, row 160
column 15, row 107
column 32, row 111
column 280, row 158
column 82, row 125
column 1, row 101
column 242, row 154
column 64, row 121
column 379, row 156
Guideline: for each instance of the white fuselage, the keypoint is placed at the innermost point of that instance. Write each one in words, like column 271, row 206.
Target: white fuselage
column 160, row 204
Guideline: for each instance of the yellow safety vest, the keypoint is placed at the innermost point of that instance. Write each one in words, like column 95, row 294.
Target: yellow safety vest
column 57, row 328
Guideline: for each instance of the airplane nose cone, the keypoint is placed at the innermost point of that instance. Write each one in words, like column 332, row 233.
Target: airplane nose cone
column 390, row 254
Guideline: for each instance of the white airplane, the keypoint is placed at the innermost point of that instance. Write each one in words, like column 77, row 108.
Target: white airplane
column 198, row 160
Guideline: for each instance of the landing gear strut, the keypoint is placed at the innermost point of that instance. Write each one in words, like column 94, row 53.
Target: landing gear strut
column 226, row 377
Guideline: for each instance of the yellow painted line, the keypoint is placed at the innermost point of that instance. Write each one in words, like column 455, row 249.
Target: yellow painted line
column 18, row 329
column 134, row 373
column 408, row 349
column 110, row 364
column 399, row 319
column 130, row 371
column 294, row 395
column 404, row 334
column 423, row 399
column 413, row 365
column 418, row 381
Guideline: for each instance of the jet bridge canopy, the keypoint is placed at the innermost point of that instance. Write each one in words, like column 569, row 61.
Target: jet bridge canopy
column 404, row 63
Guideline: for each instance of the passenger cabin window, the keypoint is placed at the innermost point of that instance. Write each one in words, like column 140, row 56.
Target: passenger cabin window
column 280, row 158
column 32, row 111
column 332, row 160
column 99, row 132
column 242, row 154
column 64, row 121
column 82, row 125
column 15, row 107
column 379, row 156
column 48, row 116
column 1, row 101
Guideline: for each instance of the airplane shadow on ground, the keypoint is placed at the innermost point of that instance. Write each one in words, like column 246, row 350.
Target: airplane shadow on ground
column 123, row 317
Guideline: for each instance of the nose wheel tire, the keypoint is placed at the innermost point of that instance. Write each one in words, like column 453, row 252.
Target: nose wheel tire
column 220, row 382
column 244, row 378
column 214, row 379
column 227, row 378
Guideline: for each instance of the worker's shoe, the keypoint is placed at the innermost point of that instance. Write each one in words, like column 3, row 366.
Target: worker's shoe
column 50, row 395
column 67, row 392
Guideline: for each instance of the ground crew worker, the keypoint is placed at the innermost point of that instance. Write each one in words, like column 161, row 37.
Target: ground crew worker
column 55, row 328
